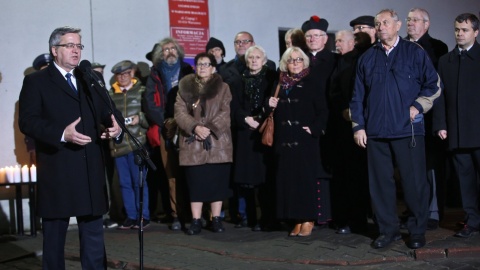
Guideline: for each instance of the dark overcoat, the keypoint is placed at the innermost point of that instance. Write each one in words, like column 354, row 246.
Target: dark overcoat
column 251, row 157
column 71, row 178
column 297, row 151
column 458, row 107
column 321, row 68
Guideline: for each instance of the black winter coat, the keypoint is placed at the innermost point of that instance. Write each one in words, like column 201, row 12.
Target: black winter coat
column 458, row 107
column 297, row 151
column 251, row 156
column 71, row 178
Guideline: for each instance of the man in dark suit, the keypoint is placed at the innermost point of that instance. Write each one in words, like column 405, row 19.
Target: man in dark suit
column 418, row 23
column 60, row 109
column 455, row 116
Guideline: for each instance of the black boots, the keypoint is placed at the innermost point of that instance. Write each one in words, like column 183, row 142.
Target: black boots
column 195, row 227
column 217, row 226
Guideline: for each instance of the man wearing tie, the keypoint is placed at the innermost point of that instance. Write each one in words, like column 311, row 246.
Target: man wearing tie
column 68, row 119
column 456, row 114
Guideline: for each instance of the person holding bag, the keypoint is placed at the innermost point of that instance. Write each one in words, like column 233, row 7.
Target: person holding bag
column 299, row 110
column 253, row 160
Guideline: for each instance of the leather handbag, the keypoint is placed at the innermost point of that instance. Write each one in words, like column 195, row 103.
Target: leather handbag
column 267, row 126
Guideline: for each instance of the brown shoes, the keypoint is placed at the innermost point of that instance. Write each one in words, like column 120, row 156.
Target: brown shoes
column 306, row 229
column 296, row 229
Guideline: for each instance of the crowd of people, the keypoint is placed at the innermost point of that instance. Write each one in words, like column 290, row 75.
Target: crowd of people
column 381, row 113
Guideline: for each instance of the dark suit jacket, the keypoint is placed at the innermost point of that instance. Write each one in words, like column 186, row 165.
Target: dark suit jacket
column 71, row 178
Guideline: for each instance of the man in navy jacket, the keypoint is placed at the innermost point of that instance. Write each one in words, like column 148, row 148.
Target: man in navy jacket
column 396, row 83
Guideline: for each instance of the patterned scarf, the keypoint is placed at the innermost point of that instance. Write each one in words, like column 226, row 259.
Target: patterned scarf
column 287, row 81
column 252, row 87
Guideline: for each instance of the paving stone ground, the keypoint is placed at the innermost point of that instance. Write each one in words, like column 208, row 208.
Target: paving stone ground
column 244, row 249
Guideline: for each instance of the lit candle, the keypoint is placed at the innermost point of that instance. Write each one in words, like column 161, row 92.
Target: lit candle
column 17, row 176
column 33, row 173
column 3, row 176
column 9, row 171
column 25, row 177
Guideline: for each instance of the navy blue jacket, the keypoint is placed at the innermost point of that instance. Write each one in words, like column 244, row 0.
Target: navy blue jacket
column 386, row 87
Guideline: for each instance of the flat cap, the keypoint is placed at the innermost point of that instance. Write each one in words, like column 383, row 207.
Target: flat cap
column 363, row 20
column 122, row 66
column 42, row 60
column 97, row 65
column 315, row 22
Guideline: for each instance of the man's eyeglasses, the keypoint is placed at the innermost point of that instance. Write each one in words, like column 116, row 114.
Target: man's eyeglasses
column 244, row 42
column 71, row 46
column 415, row 20
column 314, row 36
column 295, row 60
column 361, row 27
column 126, row 73
column 171, row 49
column 204, row 64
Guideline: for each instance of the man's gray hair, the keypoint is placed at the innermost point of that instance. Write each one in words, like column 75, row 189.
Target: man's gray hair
column 158, row 53
column 58, row 33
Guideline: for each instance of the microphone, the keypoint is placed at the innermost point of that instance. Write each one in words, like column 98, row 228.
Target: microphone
column 86, row 68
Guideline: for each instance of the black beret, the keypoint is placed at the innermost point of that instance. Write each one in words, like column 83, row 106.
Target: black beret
column 363, row 20
column 149, row 55
column 212, row 43
column 315, row 22
column 122, row 66
column 42, row 60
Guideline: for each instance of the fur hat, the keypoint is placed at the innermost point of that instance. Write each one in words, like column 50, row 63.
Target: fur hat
column 315, row 22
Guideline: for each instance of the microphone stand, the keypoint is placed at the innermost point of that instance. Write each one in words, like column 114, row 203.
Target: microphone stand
column 141, row 156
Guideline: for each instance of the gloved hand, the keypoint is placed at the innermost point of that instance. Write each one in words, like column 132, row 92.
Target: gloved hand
column 207, row 143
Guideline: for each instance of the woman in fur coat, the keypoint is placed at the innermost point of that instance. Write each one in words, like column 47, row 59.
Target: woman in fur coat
column 202, row 112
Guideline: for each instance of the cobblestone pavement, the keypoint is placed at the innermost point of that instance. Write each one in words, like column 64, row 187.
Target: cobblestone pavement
column 244, row 249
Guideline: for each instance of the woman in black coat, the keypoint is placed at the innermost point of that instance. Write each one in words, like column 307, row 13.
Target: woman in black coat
column 253, row 160
column 299, row 114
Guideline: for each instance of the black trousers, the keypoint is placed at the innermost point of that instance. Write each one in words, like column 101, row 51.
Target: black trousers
column 382, row 155
column 92, row 246
column 467, row 166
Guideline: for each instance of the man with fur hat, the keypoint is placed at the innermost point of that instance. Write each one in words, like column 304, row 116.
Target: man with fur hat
column 322, row 63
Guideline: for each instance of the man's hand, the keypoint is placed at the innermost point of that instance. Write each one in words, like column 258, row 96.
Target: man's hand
column 413, row 113
column 112, row 132
column 360, row 138
column 71, row 135
column 442, row 134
